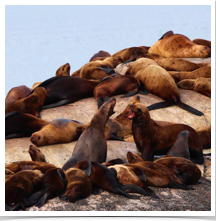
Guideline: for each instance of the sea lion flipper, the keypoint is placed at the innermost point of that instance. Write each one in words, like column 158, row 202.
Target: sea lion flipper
column 113, row 137
column 133, row 59
column 189, row 108
column 151, row 192
column 33, row 199
column 57, row 104
column 122, row 192
column 173, row 184
column 86, row 167
column 140, row 173
column 130, row 93
column 142, row 89
column 95, row 190
column 158, row 105
column 107, row 70
column 42, row 200
column 134, row 189
column 61, row 177
column 114, row 171
column 166, row 35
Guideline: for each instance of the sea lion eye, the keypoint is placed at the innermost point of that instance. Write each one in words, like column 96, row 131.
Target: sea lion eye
column 38, row 137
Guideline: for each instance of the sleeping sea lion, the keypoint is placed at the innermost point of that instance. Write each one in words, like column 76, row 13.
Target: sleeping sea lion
column 64, row 70
column 200, row 41
column 100, row 53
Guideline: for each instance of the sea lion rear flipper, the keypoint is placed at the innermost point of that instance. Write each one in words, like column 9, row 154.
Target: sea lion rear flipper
column 134, row 189
column 140, row 173
column 133, row 59
column 33, row 199
column 173, row 184
column 189, row 108
column 158, row 105
column 42, row 200
column 151, row 192
column 57, row 104
column 122, row 192
column 142, row 89
column 130, row 93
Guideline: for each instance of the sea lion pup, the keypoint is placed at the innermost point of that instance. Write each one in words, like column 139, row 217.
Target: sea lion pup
column 36, row 154
column 64, row 70
column 91, row 144
column 180, row 147
column 152, row 138
column 31, row 104
column 22, row 125
column 19, row 187
column 100, row 53
column 205, row 136
column 168, row 173
column 16, row 93
column 204, row 42
column 172, row 45
column 53, row 184
column 105, row 178
column 29, row 165
column 66, row 89
column 79, row 185
column 59, row 130
column 111, row 86
column 200, row 85
column 187, row 171
column 204, row 72
column 159, row 82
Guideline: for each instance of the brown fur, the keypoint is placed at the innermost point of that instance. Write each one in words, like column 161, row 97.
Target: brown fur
column 31, row 104
column 100, row 53
column 15, row 94
column 152, row 138
column 36, row 154
column 179, row 46
column 200, row 85
column 64, row 70
column 205, row 136
column 56, row 131
column 202, row 42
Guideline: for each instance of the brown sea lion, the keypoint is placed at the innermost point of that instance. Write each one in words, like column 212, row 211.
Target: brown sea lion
column 92, row 145
column 53, row 184
column 31, row 104
column 29, row 165
column 100, row 53
column 76, row 73
column 59, row 130
column 22, row 125
column 152, row 138
column 205, row 136
column 111, row 86
column 16, row 93
column 36, row 154
column 187, row 171
column 79, row 185
column 66, row 89
column 159, row 82
column 19, row 187
column 204, row 42
column 105, row 178
column 179, row 46
column 200, row 85
column 64, row 70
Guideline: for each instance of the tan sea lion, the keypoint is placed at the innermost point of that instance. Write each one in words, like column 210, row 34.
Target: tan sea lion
column 36, row 154
column 159, row 82
column 31, row 104
column 205, row 136
column 64, row 70
column 178, row 46
column 92, row 145
column 200, row 85
column 100, row 53
column 59, row 130
column 200, row 41
column 35, row 85
column 16, row 93
column 152, row 138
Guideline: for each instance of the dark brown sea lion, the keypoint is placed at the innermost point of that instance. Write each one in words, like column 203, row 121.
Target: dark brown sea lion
column 187, row 171
column 205, row 136
column 31, row 104
column 59, row 130
column 204, row 42
column 121, row 84
column 79, row 185
column 92, row 145
column 105, row 178
column 19, row 187
column 100, row 53
column 64, row 70
column 53, row 184
column 22, row 125
column 152, row 138
column 16, row 93
column 36, row 154
column 159, row 82
column 200, row 85
column 66, row 89
column 178, row 46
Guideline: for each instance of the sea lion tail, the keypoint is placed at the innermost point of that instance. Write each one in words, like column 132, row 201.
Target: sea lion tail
column 189, row 108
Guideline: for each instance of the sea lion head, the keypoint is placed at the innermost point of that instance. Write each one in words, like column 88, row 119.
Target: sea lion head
column 139, row 110
column 36, row 154
column 64, row 70
column 133, row 158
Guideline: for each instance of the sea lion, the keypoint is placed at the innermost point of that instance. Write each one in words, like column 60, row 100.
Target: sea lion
column 59, row 130
column 66, row 89
column 205, row 136
column 31, row 104
column 19, row 187
column 35, row 85
column 76, row 73
column 159, row 82
column 200, row 41
column 53, row 184
column 152, row 138
column 29, row 165
column 178, row 46
column 36, row 154
column 187, row 171
column 16, row 93
column 105, row 178
column 64, row 70
column 8, row 174
column 204, row 72
column 122, row 84
column 200, row 85
column 100, row 53
column 22, row 125
column 79, row 185
column 91, row 144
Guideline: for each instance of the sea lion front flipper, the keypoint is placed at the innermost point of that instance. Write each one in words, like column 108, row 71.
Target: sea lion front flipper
column 158, row 105
column 140, row 173
column 57, row 104
column 42, row 200
column 33, row 199
column 133, row 59
column 189, row 108
column 130, row 93
column 142, row 89
column 86, row 167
